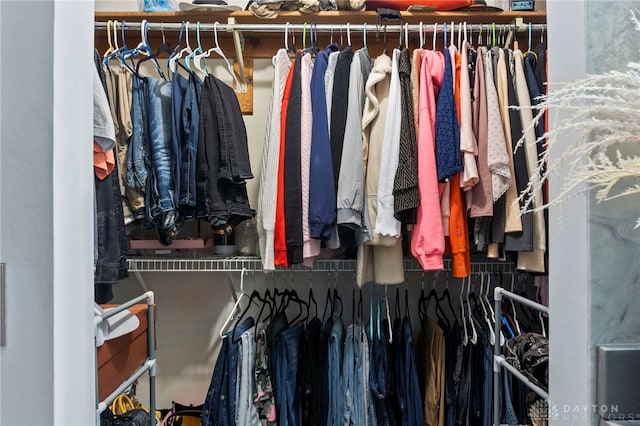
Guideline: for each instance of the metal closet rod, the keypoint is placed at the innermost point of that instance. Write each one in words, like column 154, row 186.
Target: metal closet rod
column 372, row 29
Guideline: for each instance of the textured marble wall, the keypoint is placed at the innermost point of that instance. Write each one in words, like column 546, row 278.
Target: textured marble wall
column 612, row 42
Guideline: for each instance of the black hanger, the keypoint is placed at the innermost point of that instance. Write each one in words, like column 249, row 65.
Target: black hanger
column 397, row 304
column 327, row 303
column 254, row 295
column 407, row 311
column 336, row 297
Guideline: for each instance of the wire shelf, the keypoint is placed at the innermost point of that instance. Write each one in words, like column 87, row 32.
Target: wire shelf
column 239, row 263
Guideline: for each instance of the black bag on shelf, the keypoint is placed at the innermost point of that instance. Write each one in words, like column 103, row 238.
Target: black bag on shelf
column 135, row 417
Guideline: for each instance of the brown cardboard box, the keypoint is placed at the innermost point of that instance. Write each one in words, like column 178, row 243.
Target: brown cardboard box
column 120, row 357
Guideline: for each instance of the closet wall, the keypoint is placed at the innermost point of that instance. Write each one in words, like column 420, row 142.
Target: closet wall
column 594, row 268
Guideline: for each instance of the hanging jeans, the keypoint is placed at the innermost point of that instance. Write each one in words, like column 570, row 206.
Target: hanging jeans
column 487, row 390
column 378, row 381
column 510, row 417
column 288, row 398
column 246, row 413
column 352, row 377
column 189, row 146
column 220, row 403
column 414, row 412
column 336, row 403
column 136, row 167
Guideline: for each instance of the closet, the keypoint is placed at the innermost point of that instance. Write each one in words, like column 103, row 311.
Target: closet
column 261, row 40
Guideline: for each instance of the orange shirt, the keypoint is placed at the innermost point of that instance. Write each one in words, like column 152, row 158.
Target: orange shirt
column 280, row 237
column 458, row 235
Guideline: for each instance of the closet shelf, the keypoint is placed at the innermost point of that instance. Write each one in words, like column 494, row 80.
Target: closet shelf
column 331, row 17
column 238, row 263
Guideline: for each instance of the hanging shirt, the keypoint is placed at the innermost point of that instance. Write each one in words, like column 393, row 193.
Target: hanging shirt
column 386, row 224
column 266, row 213
column 292, row 177
column 280, row 239
column 427, row 240
column 322, row 194
column 311, row 247
column 468, row 143
column 481, row 200
column 351, row 183
column 531, row 261
column 406, row 197
column 339, row 104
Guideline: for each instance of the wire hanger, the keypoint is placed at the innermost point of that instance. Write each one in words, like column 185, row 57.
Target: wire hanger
column 236, row 306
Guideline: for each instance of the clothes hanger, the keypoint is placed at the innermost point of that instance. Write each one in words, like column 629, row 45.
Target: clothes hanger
column 513, row 307
column 386, row 301
column 406, row 35
column 542, row 326
column 235, row 306
column 490, row 324
column 364, row 37
column 474, row 334
column 421, row 34
column 465, row 337
column 218, row 50
column 407, row 311
column 310, row 298
column 187, row 50
column 453, row 28
column 163, row 48
column 110, row 49
column 197, row 50
column 435, row 33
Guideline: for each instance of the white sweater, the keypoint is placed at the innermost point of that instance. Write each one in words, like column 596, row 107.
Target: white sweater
column 266, row 214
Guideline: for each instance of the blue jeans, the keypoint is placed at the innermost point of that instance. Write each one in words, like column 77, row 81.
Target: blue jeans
column 378, row 381
column 352, row 379
column 189, row 146
column 487, row 389
column 336, row 403
column 510, row 417
column 163, row 208
column 288, row 398
column 136, row 168
column 178, row 90
column 220, row 403
column 414, row 410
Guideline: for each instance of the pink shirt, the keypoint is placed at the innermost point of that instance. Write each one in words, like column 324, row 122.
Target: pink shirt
column 427, row 240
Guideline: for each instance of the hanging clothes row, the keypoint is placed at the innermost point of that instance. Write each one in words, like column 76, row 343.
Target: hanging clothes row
column 275, row 368
column 182, row 143
column 417, row 149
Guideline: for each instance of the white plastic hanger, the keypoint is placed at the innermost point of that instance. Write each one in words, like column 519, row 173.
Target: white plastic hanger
column 389, row 325
column 218, row 50
column 421, row 34
column 487, row 318
column 465, row 339
column 236, row 306
column 406, row 35
column 187, row 50
column 435, row 34
column 197, row 50
column 513, row 307
column 348, row 34
column 474, row 334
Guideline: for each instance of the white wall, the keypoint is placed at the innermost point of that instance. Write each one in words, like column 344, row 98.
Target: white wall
column 45, row 212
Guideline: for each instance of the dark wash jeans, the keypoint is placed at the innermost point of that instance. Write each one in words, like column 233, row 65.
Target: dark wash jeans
column 222, row 164
column 288, row 395
column 220, row 404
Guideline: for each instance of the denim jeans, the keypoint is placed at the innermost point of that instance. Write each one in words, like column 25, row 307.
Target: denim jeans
column 451, row 356
column 324, row 365
column 414, row 413
column 487, row 389
column 396, row 395
column 288, row 398
column 246, row 413
column 220, row 403
column 312, row 373
column 462, row 404
column 370, row 409
column 336, row 402
column 510, row 417
column 378, row 380
column 222, row 158
column 189, row 146
column 352, row 378
column 136, row 167
column 161, row 184
column 178, row 90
